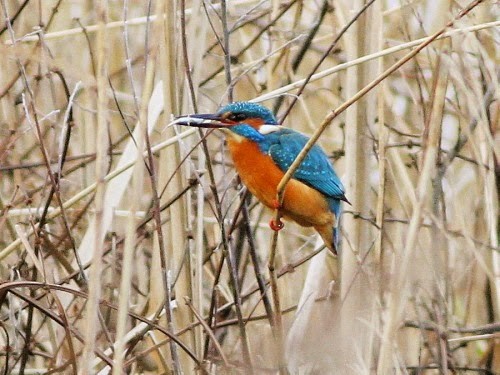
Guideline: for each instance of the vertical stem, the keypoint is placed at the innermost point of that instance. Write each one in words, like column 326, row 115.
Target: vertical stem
column 128, row 256
column 383, row 138
column 228, row 255
column 358, row 299
column 140, row 133
column 255, row 261
column 101, row 149
column 438, row 252
column 277, row 321
column 399, row 291
column 233, row 271
column 169, row 239
column 227, row 53
column 172, row 252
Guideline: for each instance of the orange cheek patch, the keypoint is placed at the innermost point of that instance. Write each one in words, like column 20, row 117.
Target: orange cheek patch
column 255, row 123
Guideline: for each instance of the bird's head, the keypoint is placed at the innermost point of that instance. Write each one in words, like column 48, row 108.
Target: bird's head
column 243, row 119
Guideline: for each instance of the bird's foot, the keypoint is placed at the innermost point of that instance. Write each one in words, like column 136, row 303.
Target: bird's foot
column 276, row 204
column 276, row 225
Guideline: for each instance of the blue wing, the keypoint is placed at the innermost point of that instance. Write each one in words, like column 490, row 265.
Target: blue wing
column 315, row 170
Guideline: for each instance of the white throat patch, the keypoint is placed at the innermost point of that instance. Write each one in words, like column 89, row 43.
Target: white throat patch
column 267, row 129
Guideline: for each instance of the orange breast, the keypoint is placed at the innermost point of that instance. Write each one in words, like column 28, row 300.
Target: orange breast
column 261, row 176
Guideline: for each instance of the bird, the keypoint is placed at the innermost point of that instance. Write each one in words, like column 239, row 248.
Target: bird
column 262, row 151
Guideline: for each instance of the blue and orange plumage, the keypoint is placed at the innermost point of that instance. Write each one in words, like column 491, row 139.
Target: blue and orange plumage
column 262, row 151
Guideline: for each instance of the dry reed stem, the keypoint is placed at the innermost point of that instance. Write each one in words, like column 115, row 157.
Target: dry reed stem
column 168, row 260
column 137, row 21
column 361, row 60
column 97, row 241
column 334, row 113
column 126, row 164
column 141, row 131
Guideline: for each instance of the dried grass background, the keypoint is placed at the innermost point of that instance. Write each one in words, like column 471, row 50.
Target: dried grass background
column 127, row 245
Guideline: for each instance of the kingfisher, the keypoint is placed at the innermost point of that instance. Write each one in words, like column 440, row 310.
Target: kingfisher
column 262, row 151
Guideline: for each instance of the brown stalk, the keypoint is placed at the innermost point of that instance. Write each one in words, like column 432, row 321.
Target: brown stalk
column 333, row 114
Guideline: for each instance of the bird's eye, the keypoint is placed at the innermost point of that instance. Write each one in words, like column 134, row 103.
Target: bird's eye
column 237, row 117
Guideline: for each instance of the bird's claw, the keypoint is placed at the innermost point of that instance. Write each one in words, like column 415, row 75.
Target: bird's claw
column 276, row 225
column 276, row 204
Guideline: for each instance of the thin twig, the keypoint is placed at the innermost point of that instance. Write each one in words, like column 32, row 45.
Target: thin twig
column 209, row 331
column 333, row 114
column 325, row 55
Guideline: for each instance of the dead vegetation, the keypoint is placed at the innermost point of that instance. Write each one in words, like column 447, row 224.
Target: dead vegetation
column 128, row 245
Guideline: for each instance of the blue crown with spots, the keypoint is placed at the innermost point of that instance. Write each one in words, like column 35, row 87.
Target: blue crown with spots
column 250, row 110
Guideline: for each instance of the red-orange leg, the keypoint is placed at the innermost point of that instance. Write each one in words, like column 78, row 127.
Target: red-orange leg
column 276, row 225
column 276, row 204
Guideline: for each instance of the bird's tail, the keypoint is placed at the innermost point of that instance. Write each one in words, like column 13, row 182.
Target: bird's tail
column 336, row 208
column 331, row 235
column 328, row 236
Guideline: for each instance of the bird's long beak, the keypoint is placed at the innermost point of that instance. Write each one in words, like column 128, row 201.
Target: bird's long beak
column 203, row 120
